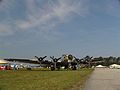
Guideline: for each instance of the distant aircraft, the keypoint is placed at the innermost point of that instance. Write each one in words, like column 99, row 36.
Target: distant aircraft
column 39, row 60
column 65, row 61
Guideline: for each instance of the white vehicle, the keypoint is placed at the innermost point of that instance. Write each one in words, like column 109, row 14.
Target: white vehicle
column 114, row 66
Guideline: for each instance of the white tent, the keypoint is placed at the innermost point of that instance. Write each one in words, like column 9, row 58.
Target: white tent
column 100, row 66
column 3, row 62
column 114, row 66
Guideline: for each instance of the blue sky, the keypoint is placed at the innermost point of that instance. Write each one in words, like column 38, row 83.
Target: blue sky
column 56, row 27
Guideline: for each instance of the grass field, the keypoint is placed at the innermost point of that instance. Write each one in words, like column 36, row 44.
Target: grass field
column 42, row 80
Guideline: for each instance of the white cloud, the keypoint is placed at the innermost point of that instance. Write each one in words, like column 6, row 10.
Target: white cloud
column 54, row 12
column 45, row 18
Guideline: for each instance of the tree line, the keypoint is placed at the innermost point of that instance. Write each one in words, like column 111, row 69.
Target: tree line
column 106, row 61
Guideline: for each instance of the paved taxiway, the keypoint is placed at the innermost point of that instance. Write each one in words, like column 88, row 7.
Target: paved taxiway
column 104, row 79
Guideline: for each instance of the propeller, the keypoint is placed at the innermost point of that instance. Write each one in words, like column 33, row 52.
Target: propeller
column 55, row 59
column 77, row 59
column 40, row 58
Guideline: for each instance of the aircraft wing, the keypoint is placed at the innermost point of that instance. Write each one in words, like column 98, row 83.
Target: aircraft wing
column 23, row 61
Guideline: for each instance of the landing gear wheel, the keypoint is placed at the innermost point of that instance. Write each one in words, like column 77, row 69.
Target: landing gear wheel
column 52, row 68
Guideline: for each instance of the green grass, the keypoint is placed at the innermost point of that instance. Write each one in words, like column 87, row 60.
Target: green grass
column 42, row 80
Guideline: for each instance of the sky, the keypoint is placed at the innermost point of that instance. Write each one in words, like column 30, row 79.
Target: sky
column 56, row 27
